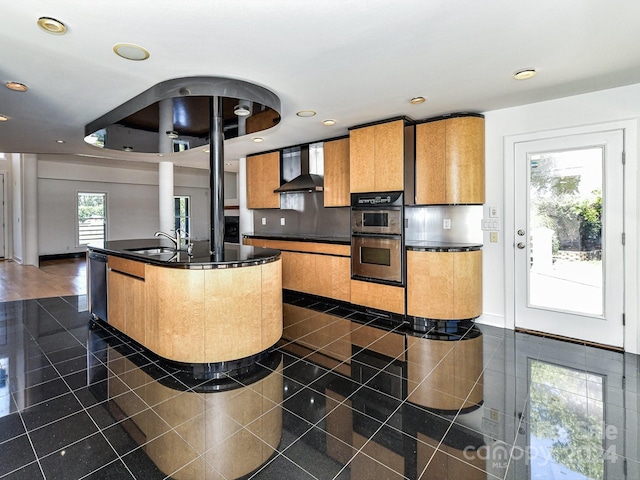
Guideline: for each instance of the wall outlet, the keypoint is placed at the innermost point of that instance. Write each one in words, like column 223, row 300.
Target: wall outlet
column 493, row 237
column 281, row 220
column 493, row 212
column 446, row 224
column 264, row 221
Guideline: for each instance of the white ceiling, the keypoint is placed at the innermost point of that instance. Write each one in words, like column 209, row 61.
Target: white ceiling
column 354, row 61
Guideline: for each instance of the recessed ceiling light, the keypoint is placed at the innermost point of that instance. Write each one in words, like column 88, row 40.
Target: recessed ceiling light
column 417, row 100
column 306, row 113
column 329, row 122
column 241, row 110
column 131, row 51
column 127, row 149
column 60, row 141
column 172, row 134
column 16, row 86
column 525, row 74
column 258, row 139
column 206, row 150
column 51, row 25
column 3, row 118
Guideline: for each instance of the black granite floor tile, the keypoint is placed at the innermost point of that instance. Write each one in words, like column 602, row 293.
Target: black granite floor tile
column 27, row 472
column 16, row 454
column 49, row 411
column 115, row 470
column 281, row 468
column 318, row 453
column 11, row 426
column 78, row 459
column 45, row 391
column 142, row 466
column 61, row 433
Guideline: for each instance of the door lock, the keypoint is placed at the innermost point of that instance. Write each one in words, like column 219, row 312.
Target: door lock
column 521, row 245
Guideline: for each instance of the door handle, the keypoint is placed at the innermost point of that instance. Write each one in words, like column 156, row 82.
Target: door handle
column 521, row 232
column 521, row 245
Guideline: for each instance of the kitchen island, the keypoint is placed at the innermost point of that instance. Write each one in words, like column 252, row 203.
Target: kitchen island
column 191, row 309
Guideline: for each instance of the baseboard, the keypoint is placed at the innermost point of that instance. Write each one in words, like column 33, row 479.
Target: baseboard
column 62, row 256
column 491, row 320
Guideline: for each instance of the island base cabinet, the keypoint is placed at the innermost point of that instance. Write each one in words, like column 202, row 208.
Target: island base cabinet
column 126, row 298
column 444, row 285
column 213, row 315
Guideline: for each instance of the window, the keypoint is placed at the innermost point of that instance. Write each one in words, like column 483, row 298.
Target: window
column 92, row 218
column 182, row 214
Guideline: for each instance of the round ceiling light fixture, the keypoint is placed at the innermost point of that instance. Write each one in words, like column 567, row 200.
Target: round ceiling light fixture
column 51, row 25
column 16, row 86
column 329, row 122
column 306, row 113
column 127, row 149
column 525, row 74
column 3, row 118
column 241, row 110
column 417, row 100
column 258, row 139
column 172, row 134
column 131, row 51
column 60, row 141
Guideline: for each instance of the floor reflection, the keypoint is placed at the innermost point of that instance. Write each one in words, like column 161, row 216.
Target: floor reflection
column 346, row 394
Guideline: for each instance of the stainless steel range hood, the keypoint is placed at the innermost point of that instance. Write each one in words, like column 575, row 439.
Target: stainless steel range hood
column 300, row 159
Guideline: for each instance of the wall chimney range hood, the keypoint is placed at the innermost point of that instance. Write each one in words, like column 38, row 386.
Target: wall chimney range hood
column 300, row 161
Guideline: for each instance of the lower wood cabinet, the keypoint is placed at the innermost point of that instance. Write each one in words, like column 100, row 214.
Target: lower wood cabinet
column 322, row 269
column 378, row 296
column 444, row 285
column 126, row 297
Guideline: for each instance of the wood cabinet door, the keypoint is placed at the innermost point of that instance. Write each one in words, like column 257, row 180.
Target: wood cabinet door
column 430, row 172
column 361, row 160
column 336, row 173
column 430, row 284
column 263, row 177
column 333, row 277
column 465, row 160
column 116, row 299
column 467, row 268
column 389, row 156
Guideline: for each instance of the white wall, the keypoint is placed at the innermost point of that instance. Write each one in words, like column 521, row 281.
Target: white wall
column 16, row 207
column 604, row 106
column 132, row 199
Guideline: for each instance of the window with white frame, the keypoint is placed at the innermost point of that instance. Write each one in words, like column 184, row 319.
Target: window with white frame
column 92, row 218
column 182, row 214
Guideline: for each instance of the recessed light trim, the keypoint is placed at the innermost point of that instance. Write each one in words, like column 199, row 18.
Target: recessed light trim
column 241, row 110
column 258, row 139
column 131, row 51
column 60, row 141
column 525, row 74
column 127, row 149
column 417, row 100
column 51, row 25
column 329, row 122
column 306, row 113
column 172, row 134
column 3, row 118
column 16, row 86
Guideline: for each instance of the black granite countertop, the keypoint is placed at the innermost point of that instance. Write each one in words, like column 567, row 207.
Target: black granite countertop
column 159, row 251
column 431, row 246
column 301, row 237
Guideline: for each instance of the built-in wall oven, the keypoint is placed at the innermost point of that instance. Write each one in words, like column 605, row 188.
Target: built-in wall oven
column 377, row 221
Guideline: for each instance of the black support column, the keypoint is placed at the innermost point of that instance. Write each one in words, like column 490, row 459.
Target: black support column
column 216, row 178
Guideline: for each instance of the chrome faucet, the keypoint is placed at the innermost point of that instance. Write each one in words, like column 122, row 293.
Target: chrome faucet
column 175, row 240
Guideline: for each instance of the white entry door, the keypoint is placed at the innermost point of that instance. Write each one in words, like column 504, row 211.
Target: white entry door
column 568, row 239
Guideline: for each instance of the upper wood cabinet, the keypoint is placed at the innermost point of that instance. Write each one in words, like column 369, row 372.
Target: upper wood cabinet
column 450, row 161
column 336, row 173
column 376, row 157
column 263, row 177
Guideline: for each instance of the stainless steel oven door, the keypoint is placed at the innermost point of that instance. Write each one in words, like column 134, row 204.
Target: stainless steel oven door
column 377, row 258
column 376, row 221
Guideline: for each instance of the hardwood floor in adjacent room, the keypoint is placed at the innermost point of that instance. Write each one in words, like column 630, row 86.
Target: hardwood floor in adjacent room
column 54, row 278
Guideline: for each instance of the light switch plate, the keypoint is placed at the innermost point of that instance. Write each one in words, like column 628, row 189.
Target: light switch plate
column 281, row 220
column 264, row 221
column 493, row 212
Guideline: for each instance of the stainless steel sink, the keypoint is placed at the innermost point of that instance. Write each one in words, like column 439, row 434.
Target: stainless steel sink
column 153, row 250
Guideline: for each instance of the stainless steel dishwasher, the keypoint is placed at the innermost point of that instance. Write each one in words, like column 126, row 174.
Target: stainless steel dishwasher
column 98, row 285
